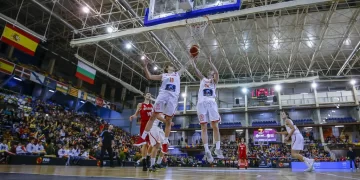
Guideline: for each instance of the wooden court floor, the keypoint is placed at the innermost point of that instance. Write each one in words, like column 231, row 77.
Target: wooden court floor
column 177, row 173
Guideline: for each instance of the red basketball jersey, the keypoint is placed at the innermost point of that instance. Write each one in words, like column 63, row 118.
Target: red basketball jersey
column 145, row 111
column 242, row 149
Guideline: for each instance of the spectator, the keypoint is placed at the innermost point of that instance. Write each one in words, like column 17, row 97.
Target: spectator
column 30, row 147
column 351, row 155
column 20, row 149
column 39, row 148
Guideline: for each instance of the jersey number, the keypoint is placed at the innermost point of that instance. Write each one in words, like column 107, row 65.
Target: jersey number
column 171, row 79
column 149, row 113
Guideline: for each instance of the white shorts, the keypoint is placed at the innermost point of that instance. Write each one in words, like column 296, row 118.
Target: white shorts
column 297, row 142
column 156, row 135
column 207, row 111
column 166, row 103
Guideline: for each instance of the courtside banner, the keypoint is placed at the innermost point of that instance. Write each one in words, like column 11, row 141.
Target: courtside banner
column 20, row 39
column 300, row 166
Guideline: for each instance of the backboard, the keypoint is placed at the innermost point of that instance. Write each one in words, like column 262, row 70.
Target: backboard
column 164, row 11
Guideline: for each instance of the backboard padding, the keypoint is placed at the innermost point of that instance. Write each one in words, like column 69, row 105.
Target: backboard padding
column 164, row 11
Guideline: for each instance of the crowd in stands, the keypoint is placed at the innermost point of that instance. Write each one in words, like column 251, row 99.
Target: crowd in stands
column 34, row 127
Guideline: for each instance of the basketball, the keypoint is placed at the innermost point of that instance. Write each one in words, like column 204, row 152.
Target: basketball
column 194, row 51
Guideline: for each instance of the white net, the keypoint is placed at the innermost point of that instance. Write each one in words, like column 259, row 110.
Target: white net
column 198, row 26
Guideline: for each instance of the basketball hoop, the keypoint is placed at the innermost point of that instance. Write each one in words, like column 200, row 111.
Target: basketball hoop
column 197, row 26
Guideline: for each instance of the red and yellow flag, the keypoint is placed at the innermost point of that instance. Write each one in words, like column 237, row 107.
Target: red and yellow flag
column 6, row 66
column 20, row 39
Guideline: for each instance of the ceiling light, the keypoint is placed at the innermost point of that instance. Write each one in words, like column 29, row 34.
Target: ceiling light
column 85, row 9
column 244, row 90
column 239, row 130
column 17, row 78
column 51, row 90
column 110, row 29
column 183, row 95
column 128, row 46
column 82, row 101
column 277, row 87
column 155, row 68
column 143, row 57
column 339, row 126
column 352, row 82
column 313, row 85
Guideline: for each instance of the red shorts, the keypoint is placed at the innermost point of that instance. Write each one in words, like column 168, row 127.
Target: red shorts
column 142, row 129
column 242, row 156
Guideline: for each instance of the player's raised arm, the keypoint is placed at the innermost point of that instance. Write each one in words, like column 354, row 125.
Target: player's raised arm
column 148, row 74
column 198, row 73
column 216, row 72
column 138, row 108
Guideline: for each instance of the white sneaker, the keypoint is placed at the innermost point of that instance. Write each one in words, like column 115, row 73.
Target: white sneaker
column 219, row 154
column 311, row 163
column 208, row 157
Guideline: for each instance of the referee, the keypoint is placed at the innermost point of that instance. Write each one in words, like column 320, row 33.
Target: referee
column 107, row 142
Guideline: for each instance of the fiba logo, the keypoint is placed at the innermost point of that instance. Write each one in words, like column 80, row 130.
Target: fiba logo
column 41, row 160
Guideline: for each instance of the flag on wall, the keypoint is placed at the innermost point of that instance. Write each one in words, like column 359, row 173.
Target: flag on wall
column 85, row 73
column 20, row 39
column 50, row 83
column 22, row 72
column 91, row 98
column 62, row 87
column 106, row 104
column 36, row 77
column 82, row 95
column 99, row 102
column 73, row 92
column 6, row 66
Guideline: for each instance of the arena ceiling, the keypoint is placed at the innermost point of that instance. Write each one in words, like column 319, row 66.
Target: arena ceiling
column 313, row 40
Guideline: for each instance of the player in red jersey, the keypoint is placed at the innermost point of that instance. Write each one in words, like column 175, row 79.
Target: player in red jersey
column 144, row 109
column 242, row 154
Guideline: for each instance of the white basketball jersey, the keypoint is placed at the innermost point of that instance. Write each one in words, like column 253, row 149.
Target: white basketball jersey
column 170, row 83
column 156, row 123
column 288, row 129
column 207, row 90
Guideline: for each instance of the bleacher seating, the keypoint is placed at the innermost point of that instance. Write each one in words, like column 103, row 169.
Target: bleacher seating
column 265, row 123
column 340, row 120
column 303, row 121
column 176, row 126
column 221, row 125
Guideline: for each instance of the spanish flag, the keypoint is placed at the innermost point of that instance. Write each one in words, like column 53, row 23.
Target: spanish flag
column 20, row 39
column 6, row 66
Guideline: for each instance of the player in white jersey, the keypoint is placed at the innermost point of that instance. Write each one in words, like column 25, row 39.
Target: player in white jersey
column 156, row 136
column 207, row 109
column 297, row 141
column 167, row 100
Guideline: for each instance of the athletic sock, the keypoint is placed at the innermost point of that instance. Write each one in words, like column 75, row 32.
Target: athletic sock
column 218, row 145
column 206, row 146
column 144, row 162
column 144, row 134
column 152, row 162
column 159, row 160
column 166, row 140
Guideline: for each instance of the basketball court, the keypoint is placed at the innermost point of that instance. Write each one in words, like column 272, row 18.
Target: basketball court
column 177, row 173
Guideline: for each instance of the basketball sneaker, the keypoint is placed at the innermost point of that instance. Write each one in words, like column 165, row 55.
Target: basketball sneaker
column 140, row 141
column 219, row 153
column 310, row 164
column 208, row 157
column 152, row 169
